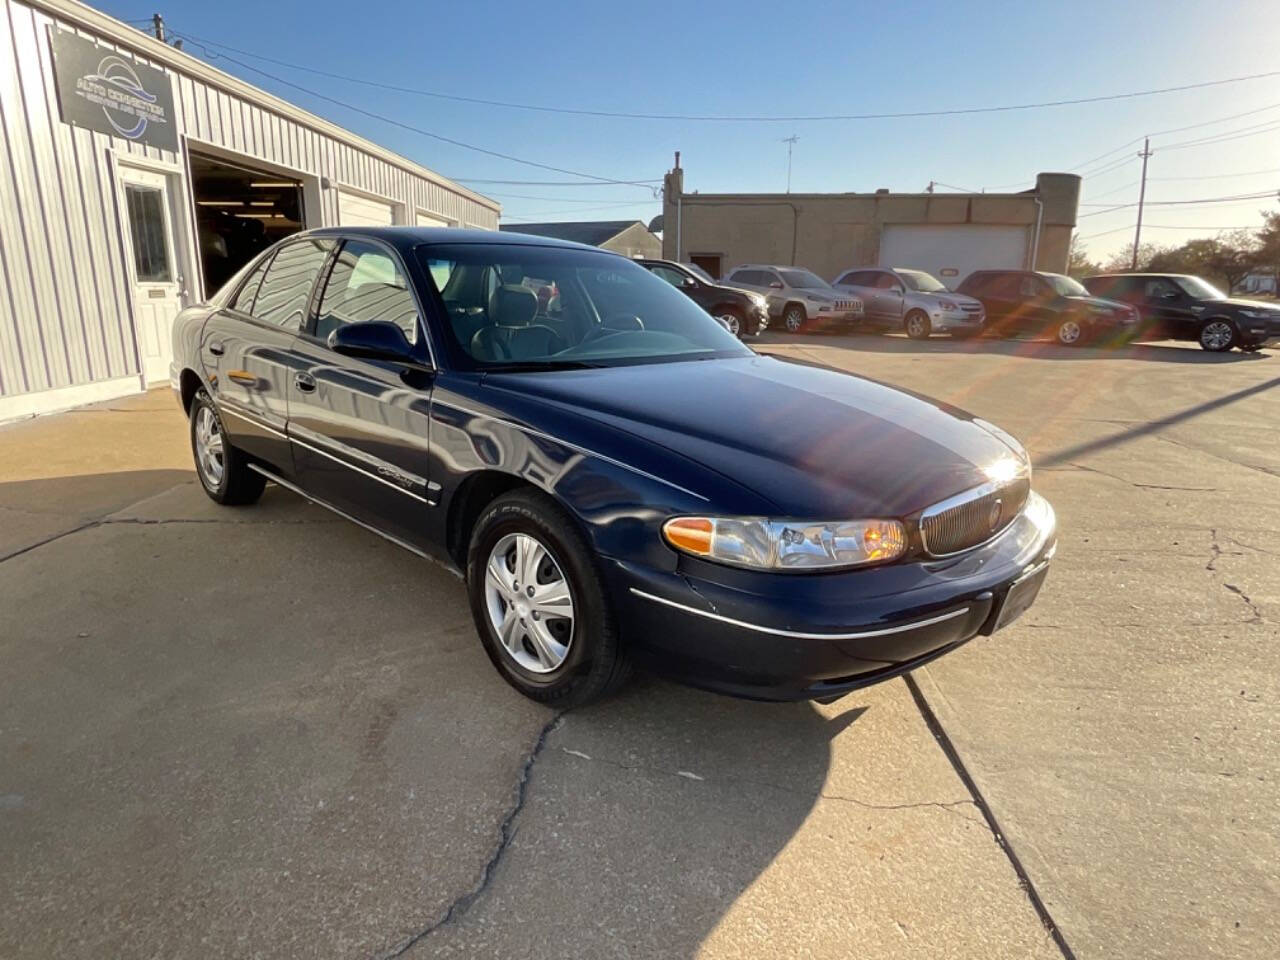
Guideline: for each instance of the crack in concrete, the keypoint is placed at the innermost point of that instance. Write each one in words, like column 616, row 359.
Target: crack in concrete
column 947, row 805
column 47, row 540
column 1215, row 554
column 1133, row 483
column 506, row 833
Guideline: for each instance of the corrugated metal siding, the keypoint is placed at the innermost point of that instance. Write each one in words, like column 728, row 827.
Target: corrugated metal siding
column 65, row 302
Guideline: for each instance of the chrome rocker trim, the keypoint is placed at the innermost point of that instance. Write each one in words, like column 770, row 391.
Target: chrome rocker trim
column 800, row 635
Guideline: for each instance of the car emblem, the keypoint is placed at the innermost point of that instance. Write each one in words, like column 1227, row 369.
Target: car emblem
column 993, row 516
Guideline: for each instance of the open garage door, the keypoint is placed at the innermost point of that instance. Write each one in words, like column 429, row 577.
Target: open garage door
column 240, row 211
column 952, row 251
column 356, row 210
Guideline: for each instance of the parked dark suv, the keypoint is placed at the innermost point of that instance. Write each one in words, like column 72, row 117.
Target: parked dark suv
column 1047, row 304
column 1181, row 307
column 741, row 313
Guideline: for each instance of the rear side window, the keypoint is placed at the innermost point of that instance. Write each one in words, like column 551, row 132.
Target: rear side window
column 857, row 278
column 286, row 289
column 750, row 277
column 1004, row 286
column 366, row 285
column 243, row 301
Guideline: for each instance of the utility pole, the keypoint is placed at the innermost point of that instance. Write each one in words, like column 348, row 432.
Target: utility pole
column 790, row 142
column 1142, row 197
column 157, row 23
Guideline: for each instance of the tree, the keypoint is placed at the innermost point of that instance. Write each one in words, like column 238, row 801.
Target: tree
column 1122, row 260
column 1225, row 259
column 1269, row 243
column 1078, row 262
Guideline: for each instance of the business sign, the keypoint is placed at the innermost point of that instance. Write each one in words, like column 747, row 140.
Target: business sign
column 108, row 91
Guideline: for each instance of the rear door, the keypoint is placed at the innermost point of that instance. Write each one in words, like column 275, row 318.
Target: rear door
column 887, row 297
column 862, row 284
column 247, row 348
column 360, row 428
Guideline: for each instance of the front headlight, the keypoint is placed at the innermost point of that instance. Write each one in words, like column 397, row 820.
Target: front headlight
column 787, row 544
column 948, row 305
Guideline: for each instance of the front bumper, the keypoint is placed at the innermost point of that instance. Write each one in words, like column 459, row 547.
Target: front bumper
column 773, row 636
column 943, row 321
column 1257, row 332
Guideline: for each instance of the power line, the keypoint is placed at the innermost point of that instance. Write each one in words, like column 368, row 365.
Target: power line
column 1271, row 194
column 525, row 196
column 537, row 215
column 1222, row 176
column 554, row 183
column 1166, row 226
column 402, row 124
column 1098, row 196
column 617, row 114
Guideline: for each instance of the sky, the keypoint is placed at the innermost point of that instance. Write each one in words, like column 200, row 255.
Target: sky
column 795, row 59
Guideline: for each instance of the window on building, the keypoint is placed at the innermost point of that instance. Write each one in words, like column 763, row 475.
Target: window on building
column 147, row 232
column 366, row 285
column 286, row 289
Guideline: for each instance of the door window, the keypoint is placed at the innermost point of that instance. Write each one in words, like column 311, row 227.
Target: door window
column 1160, row 289
column 147, row 231
column 286, row 289
column 365, row 285
column 858, row 278
column 886, row 281
column 751, row 278
column 673, row 277
column 1002, row 286
column 1031, row 288
column 243, row 300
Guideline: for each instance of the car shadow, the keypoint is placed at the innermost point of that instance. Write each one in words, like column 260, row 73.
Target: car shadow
column 284, row 719
column 1155, row 352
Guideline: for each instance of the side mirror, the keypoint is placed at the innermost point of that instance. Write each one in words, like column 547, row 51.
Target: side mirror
column 775, row 285
column 1171, row 295
column 377, row 340
column 898, row 289
column 688, row 283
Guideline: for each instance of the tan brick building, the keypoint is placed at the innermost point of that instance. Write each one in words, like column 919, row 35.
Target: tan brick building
column 948, row 234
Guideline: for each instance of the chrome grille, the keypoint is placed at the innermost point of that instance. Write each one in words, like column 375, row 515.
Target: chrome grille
column 972, row 517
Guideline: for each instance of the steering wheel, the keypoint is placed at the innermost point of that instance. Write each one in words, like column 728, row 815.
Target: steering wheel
column 612, row 325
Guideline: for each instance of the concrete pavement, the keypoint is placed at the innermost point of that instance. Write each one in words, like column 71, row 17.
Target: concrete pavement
column 265, row 731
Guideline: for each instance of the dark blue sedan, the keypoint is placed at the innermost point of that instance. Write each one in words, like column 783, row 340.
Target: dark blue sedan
column 618, row 479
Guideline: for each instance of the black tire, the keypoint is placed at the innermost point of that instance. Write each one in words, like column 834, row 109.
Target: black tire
column 1070, row 332
column 731, row 318
column 596, row 662
column 794, row 319
column 238, row 485
column 1218, row 335
column 917, row 325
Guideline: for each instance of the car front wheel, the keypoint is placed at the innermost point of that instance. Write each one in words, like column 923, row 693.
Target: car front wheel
column 1218, row 336
column 793, row 318
column 223, row 470
column 917, row 325
column 539, row 603
column 730, row 320
column 1070, row 333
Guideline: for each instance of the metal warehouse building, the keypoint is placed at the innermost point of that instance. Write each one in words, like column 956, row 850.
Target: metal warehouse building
column 135, row 179
column 947, row 234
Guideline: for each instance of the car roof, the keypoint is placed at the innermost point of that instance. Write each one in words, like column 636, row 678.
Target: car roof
column 766, row 266
column 412, row 236
column 1112, row 276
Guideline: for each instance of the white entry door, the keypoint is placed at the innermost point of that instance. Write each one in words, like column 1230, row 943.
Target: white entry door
column 157, row 284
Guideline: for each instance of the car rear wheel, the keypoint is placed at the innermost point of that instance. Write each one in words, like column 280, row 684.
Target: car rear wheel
column 539, row 603
column 1218, row 336
column 1070, row 333
column 731, row 321
column 917, row 325
column 793, row 318
column 223, row 470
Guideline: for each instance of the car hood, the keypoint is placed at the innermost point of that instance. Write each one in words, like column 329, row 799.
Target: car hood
column 934, row 297
column 815, row 442
column 1270, row 307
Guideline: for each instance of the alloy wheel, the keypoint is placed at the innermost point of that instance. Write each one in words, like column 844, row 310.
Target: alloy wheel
column 1069, row 332
column 529, row 602
column 730, row 323
column 916, row 327
column 794, row 320
column 1216, row 335
column 209, row 447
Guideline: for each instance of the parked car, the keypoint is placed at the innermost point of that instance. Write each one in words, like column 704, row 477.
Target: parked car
column 1178, row 306
column 741, row 313
column 911, row 300
column 1047, row 304
column 799, row 298
column 608, row 479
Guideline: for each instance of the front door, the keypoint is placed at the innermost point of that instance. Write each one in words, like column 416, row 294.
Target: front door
column 157, row 281
column 360, row 428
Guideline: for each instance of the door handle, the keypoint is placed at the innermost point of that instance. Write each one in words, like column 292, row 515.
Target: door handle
column 304, row 382
column 216, row 348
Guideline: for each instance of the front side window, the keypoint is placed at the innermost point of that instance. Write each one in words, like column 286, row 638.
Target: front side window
column 921, row 281
column 366, row 284
column 605, row 311
column 1159, row 289
column 673, row 277
column 1065, row 286
column 286, row 289
column 1200, row 289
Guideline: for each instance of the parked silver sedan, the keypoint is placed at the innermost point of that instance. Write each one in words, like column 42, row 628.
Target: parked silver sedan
column 912, row 300
column 799, row 297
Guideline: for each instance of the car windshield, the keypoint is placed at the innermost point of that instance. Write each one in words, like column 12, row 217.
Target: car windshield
column 1200, row 289
column 920, row 281
column 698, row 272
column 542, row 307
column 1065, row 286
column 804, row 280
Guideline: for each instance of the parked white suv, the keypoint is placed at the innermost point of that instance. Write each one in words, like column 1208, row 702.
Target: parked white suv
column 799, row 297
column 912, row 300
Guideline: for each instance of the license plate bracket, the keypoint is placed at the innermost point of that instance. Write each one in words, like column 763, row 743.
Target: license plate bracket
column 1019, row 597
